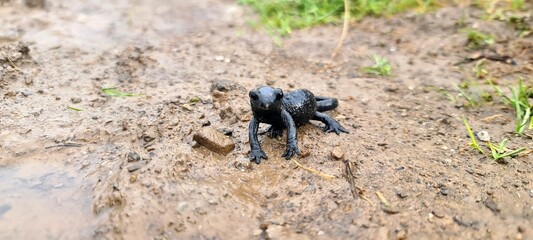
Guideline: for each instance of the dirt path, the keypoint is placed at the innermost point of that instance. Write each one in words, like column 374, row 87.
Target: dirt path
column 79, row 175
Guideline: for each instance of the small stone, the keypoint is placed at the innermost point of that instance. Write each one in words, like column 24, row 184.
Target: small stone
column 444, row 191
column 195, row 144
column 146, row 183
column 206, row 123
column 242, row 164
column 133, row 178
column 337, row 153
column 227, row 131
column 59, row 185
column 214, row 140
column 180, row 227
column 181, row 206
column 490, row 204
column 401, row 235
column 437, row 213
column 219, row 58
column 135, row 166
column 133, row 157
column 483, row 136
column 390, row 209
column 212, row 201
column 320, row 233
column 75, row 100
column 401, row 194
column 263, row 226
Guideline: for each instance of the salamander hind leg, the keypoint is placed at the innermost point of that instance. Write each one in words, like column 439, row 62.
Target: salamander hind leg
column 325, row 104
column 331, row 124
column 274, row 132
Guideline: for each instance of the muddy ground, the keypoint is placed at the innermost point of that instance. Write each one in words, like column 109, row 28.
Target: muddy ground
column 127, row 167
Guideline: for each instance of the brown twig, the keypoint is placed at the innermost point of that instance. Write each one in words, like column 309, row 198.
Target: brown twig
column 344, row 28
column 356, row 191
column 11, row 63
column 382, row 199
column 324, row 175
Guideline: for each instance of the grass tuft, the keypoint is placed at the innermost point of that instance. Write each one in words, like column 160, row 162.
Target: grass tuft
column 500, row 151
column 520, row 103
column 381, row 66
column 473, row 141
column 280, row 17
column 477, row 39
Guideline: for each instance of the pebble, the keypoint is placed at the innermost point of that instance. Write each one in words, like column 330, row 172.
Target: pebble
column 437, row 213
column 206, row 123
column 337, row 153
column 136, row 166
column 242, row 164
column 490, row 204
column 214, row 140
column 401, row 194
column 195, row 144
column 223, row 85
column 444, row 191
column 483, row 136
column 212, row 201
column 181, row 206
column 402, row 234
column 133, row 178
column 133, row 157
column 75, row 100
column 227, row 131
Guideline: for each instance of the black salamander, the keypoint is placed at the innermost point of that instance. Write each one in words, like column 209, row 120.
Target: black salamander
column 287, row 111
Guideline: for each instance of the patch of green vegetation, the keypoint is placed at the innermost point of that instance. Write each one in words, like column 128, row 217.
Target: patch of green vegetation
column 520, row 103
column 471, row 102
column 480, row 71
column 282, row 16
column 477, row 39
column 381, row 66
column 500, row 151
column 114, row 92
column 520, row 24
column 195, row 100
column 473, row 141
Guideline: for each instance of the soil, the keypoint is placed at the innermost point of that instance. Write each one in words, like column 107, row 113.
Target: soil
column 128, row 168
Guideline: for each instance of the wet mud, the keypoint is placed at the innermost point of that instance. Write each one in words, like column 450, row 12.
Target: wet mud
column 78, row 163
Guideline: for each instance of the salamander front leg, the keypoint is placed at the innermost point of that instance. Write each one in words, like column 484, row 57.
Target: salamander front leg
column 256, row 153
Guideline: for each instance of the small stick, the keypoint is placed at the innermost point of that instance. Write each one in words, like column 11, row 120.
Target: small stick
column 324, row 175
column 382, row 199
column 344, row 28
column 353, row 187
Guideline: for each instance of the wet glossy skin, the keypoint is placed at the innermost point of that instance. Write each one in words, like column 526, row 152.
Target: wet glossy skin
column 271, row 106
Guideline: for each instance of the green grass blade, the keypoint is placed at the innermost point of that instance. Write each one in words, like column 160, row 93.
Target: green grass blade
column 472, row 137
column 75, row 108
column 114, row 92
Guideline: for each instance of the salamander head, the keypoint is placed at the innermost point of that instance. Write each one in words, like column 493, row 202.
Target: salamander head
column 266, row 98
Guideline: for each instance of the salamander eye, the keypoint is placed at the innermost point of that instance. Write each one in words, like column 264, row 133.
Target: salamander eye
column 253, row 96
column 279, row 95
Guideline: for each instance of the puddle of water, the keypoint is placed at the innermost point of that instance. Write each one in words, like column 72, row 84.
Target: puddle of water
column 41, row 200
